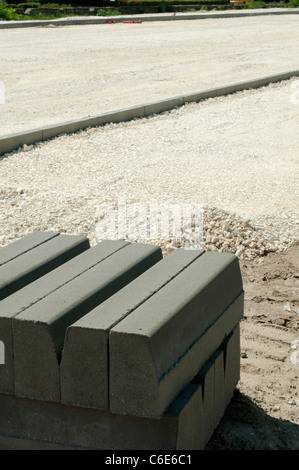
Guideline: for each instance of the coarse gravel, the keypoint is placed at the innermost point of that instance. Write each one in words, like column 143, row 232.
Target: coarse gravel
column 236, row 156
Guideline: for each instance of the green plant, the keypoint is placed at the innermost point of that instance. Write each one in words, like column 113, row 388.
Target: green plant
column 6, row 13
column 106, row 12
column 51, row 5
column 165, row 6
column 293, row 3
column 256, row 4
column 29, row 5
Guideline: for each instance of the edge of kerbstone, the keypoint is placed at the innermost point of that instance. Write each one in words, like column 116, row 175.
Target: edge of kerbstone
column 12, row 142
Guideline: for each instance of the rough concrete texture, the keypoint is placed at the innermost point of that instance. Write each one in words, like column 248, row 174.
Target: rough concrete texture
column 156, row 350
column 30, row 265
column 186, row 425
column 38, row 332
column 31, row 294
column 84, row 366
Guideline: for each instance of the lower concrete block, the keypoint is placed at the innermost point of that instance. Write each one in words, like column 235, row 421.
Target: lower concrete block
column 219, row 388
column 38, row 424
column 38, row 332
column 218, row 383
column 206, row 379
column 157, row 349
column 30, row 265
column 187, row 424
column 33, row 293
column 85, row 360
column 231, row 356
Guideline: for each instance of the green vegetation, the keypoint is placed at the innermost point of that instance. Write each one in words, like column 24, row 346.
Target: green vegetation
column 6, row 13
column 7, row 10
column 256, row 4
column 104, row 12
column 29, row 5
column 170, row 2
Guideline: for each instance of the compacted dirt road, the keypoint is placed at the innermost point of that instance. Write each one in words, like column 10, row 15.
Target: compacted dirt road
column 56, row 73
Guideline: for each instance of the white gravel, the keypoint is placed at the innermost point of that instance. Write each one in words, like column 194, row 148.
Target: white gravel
column 235, row 155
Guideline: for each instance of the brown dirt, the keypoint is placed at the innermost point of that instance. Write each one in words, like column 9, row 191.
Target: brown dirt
column 264, row 412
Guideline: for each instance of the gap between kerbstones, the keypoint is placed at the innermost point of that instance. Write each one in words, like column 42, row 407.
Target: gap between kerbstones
column 15, row 141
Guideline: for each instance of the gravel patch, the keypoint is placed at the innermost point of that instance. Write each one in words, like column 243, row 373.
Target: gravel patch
column 237, row 156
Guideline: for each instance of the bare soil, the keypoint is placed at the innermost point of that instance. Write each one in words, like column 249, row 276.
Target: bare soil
column 264, row 412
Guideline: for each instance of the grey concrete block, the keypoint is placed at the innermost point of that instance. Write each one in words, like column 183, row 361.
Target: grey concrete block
column 119, row 115
column 14, row 141
column 84, row 364
column 29, row 295
column 201, row 95
column 205, row 379
column 30, row 265
column 38, row 332
column 48, row 425
column 163, row 105
column 231, row 355
column 16, row 443
column 219, row 385
column 218, row 379
column 172, row 334
column 22, row 245
column 187, row 424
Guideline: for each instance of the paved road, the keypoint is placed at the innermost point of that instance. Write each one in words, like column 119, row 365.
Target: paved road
column 54, row 74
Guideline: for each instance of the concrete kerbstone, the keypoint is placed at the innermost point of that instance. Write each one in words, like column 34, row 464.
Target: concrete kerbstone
column 231, row 355
column 156, row 350
column 84, row 364
column 121, row 115
column 12, row 142
column 187, row 424
column 145, row 18
column 30, row 265
column 29, row 295
column 161, row 106
column 24, row 244
column 38, row 332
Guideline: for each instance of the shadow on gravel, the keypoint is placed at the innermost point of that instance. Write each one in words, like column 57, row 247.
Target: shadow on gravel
column 245, row 426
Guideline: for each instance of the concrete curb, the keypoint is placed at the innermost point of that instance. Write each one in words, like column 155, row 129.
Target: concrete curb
column 178, row 318
column 144, row 17
column 14, row 141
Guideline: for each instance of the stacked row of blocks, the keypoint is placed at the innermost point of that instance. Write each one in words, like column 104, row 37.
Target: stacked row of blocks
column 113, row 346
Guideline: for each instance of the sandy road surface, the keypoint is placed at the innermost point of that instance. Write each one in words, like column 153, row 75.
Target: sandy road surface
column 55, row 74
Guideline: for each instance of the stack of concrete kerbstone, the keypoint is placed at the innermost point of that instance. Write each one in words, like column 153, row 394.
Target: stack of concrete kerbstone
column 114, row 346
